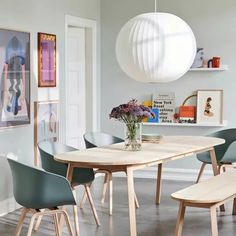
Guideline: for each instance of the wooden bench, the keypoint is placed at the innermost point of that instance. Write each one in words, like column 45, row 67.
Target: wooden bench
column 210, row 194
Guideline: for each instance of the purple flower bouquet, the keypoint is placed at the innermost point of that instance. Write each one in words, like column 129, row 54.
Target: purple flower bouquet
column 132, row 114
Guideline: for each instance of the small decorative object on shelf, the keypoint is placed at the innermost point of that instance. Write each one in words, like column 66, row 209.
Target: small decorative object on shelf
column 214, row 62
column 198, row 61
column 187, row 114
column 132, row 114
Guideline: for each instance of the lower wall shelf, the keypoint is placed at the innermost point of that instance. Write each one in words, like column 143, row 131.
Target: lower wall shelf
column 185, row 124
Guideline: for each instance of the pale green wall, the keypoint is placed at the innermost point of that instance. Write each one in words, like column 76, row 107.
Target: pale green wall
column 214, row 24
column 38, row 16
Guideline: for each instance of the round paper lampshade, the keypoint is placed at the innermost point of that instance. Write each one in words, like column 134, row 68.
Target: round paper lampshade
column 155, row 47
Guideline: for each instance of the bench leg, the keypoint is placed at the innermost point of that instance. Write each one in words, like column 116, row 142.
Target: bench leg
column 214, row 226
column 180, row 219
column 234, row 207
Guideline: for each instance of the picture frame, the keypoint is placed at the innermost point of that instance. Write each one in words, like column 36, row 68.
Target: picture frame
column 15, row 78
column 210, row 107
column 46, row 60
column 46, row 123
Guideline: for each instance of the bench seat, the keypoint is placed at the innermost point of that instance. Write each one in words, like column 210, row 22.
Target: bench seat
column 211, row 194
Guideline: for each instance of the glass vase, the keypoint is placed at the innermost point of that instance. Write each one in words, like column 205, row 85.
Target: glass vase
column 133, row 136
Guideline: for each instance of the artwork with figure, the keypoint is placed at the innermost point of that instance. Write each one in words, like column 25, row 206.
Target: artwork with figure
column 207, row 111
column 15, row 78
column 210, row 107
column 46, row 125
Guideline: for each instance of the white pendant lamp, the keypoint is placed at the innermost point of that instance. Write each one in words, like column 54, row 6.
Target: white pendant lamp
column 155, row 47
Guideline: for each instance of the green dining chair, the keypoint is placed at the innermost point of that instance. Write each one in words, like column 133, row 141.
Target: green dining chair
column 98, row 139
column 222, row 156
column 81, row 176
column 36, row 189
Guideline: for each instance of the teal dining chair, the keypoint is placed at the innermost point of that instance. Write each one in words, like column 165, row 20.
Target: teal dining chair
column 222, row 156
column 99, row 139
column 36, row 189
column 81, row 176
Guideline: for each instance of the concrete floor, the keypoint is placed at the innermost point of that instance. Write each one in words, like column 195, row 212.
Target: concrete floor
column 152, row 220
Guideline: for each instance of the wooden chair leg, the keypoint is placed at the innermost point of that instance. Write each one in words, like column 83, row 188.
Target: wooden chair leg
column 87, row 189
column 38, row 222
column 136, row 200
column 180, row 220
column 56, row 224
column 110, row 194
column 61, row 219
column 75, row 211
column 31, row 226
column 214, row 226
column 83, row 200
column 158, row 185
column 104, row 189
column 234, row 207
column 201, row 172
column 21, row 221
column 67, row 219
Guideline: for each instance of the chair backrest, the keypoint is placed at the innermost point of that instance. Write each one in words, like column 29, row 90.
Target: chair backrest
column 229, row 135
column 47, row 150
column 37, row 189
column 98, row 139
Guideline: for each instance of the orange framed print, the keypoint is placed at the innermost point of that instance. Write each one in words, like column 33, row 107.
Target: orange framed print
column 46, row 60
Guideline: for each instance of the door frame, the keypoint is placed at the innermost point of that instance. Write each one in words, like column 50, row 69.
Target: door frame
column 73, row 21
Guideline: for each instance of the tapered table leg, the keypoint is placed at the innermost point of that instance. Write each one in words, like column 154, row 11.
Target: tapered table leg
column 132, row 214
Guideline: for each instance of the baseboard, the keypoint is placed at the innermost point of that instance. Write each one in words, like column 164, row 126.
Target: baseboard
column 8, row 205
column 169, row 174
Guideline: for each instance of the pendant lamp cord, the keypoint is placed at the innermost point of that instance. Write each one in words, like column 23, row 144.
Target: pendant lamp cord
column 155, row 5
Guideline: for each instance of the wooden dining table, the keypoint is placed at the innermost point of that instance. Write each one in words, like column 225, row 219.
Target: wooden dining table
column 115, row 156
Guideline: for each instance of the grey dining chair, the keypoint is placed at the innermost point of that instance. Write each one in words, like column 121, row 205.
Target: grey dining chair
column 222, row 156
column 38, row 190
column 98, row 139
column 81, row 176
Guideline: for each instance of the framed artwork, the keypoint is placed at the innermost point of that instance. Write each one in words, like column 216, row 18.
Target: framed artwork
column 46, row 125
column 46, row 60
column 210, row 107
column 15, row 78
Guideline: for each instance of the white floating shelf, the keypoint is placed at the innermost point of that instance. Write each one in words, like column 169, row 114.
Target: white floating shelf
column 222, row 68
column 185, row 124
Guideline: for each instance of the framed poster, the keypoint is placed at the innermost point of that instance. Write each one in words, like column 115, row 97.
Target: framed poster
column 15, row 78
column 165, row 103
column 46, row 125
column 210, row 107
column 46, row 60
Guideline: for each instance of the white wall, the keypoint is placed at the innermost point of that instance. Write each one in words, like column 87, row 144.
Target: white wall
column 38, row 16
column 214, row 25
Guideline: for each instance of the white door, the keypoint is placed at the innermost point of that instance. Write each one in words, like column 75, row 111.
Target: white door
column 76, row 88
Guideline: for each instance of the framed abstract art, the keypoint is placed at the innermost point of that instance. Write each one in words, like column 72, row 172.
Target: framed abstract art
column 46, row 125
column 15, row 78
column 46, row 60
column 210, row 107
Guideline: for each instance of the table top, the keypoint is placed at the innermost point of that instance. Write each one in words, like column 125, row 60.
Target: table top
column 169, row 148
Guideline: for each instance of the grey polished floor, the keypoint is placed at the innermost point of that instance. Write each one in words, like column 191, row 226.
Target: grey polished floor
column 152, row 220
